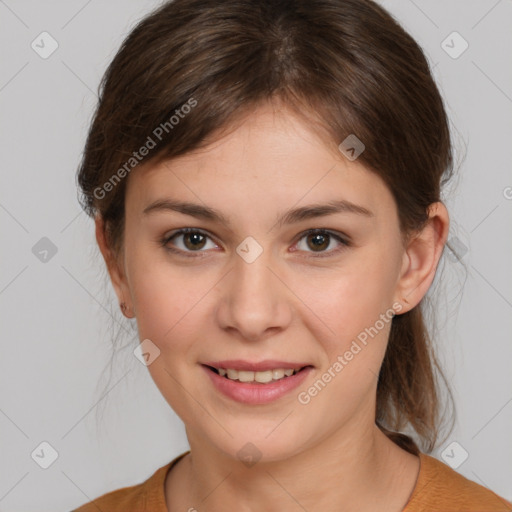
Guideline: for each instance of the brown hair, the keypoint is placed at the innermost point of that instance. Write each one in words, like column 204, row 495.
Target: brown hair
column 344, row 65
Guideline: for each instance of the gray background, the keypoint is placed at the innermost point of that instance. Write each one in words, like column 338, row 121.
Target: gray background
column 57, row 313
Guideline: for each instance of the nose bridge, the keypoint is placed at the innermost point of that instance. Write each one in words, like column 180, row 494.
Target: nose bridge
column 252, row 276
column 252, row 301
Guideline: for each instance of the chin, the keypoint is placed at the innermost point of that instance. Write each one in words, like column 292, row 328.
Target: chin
column 251, row 449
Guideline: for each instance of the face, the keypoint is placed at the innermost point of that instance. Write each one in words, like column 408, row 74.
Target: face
column 255, row 286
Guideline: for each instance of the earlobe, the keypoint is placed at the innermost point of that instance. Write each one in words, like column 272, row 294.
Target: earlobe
column 116, row 273
column 421, row 258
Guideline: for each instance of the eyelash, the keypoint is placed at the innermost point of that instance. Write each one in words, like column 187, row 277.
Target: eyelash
column 344, row 242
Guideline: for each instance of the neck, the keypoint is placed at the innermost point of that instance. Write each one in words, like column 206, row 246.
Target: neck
column 355, row 469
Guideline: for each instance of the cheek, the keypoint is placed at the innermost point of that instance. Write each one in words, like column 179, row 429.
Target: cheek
column 355, row 305
column 360, row 329
column 168, row 308
column 352, row 297
column 160, row 294
column 164, row 302
column 355, row 308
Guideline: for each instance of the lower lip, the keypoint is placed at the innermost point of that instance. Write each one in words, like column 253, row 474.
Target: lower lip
column 253, row 392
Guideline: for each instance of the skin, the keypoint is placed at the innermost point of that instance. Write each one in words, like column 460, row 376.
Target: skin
column 287, row 304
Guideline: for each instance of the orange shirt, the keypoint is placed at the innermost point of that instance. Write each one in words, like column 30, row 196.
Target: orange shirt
column 439, row 488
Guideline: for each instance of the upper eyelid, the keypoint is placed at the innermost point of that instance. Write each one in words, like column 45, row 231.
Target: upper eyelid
column 184, row 231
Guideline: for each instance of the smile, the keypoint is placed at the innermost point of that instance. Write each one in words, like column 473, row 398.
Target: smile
column 262, row 377
column 256, row 387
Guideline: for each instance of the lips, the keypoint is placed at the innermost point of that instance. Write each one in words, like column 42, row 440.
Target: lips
column 254, row 393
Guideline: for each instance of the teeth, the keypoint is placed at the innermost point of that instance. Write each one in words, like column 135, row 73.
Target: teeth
column 262, row 377
column 277, row 374
column 232, row 374
column 246, row 376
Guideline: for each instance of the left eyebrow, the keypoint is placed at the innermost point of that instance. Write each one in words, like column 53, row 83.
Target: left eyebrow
column 321, row 210
column 289, row 217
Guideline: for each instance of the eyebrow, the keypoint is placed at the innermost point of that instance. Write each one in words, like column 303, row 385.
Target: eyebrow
column 289, row 217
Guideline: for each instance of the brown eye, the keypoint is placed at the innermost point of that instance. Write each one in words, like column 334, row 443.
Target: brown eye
column 186, row 240
column 318, row 240
column 194, row 240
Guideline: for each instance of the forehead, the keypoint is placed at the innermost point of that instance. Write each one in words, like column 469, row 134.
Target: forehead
column 272, row 158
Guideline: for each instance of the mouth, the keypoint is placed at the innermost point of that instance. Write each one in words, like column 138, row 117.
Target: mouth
column 256, row 383
column 263, row 377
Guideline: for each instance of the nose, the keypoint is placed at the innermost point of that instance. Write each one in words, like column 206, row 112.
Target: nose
column 255, row 302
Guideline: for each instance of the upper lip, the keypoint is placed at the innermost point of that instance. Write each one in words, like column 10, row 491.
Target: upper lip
column 261, row 366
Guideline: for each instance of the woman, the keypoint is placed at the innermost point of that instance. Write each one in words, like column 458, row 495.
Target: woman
column 265, row 179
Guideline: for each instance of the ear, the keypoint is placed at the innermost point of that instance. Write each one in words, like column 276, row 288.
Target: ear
column 421, row 258
column 114, row 267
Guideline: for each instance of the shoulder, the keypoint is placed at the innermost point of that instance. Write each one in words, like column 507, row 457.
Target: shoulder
column 441, row 488
column 147, row 495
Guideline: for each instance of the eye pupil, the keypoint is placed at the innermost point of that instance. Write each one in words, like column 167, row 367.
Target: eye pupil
column 319, row 240
column 196, row 237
